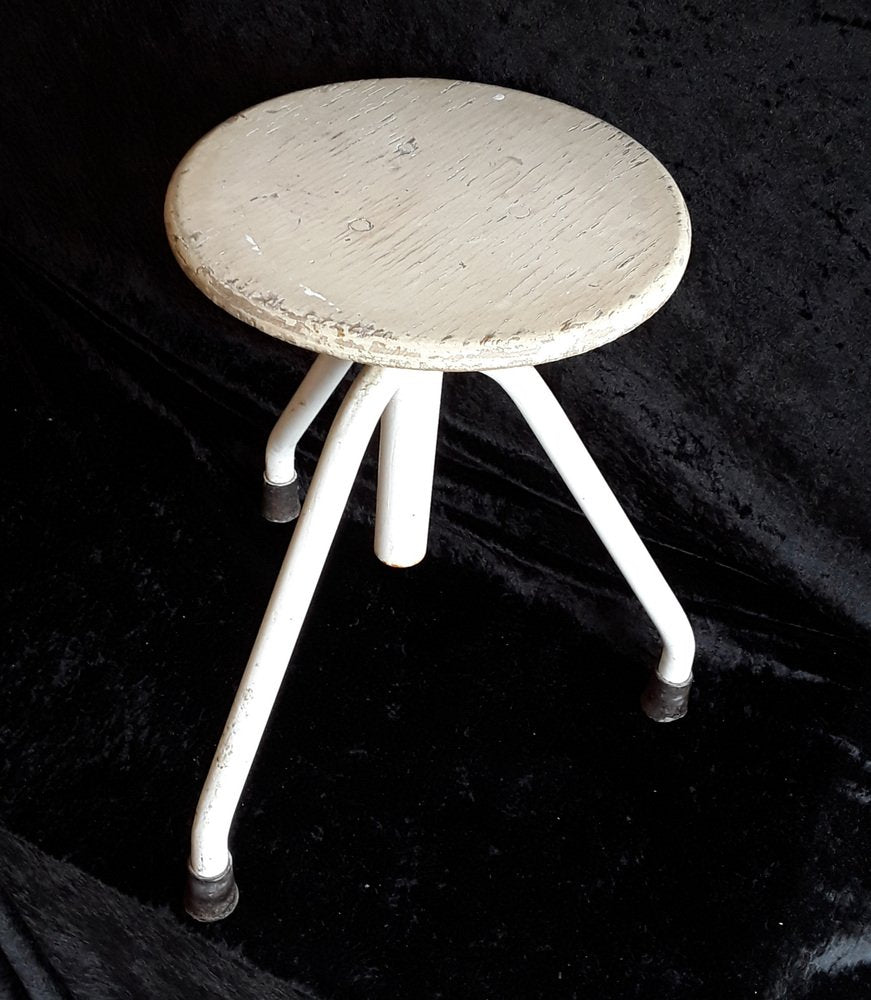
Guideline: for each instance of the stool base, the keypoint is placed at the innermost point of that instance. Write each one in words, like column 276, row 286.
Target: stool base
column 664, row 702
column 402, row 513
column 281, row 503
column 211, row 899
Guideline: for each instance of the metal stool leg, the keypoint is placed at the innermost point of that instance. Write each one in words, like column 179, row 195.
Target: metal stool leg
column 409, row 429
column 212, row 892
column 667, row 694
column 281, row 502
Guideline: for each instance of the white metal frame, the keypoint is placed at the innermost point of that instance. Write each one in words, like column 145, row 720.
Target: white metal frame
column 573, row 462
column 319, row 384
column 406, row 460
column 407, row 403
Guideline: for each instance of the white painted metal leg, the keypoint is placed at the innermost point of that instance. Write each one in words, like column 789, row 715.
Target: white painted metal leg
column 319, row 384
column 281, row 501
column 312, row 538
column 573, row 462
column 409, row 430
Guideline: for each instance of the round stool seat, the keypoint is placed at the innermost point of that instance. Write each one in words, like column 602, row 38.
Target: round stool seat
column 428, row 224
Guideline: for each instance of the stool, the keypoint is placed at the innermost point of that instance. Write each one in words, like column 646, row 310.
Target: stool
column 417, row 227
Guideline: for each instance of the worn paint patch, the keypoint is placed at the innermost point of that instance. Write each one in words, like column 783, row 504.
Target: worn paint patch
column 443, row 253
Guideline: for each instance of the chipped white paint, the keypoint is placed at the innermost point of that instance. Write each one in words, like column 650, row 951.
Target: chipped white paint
column 297, row 579
column 408, row 404
column 460, row 226
column 463, row 229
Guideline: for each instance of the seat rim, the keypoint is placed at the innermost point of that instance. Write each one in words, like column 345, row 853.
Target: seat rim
column 369, row 344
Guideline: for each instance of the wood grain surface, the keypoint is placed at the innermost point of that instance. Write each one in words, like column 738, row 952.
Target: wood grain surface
column 431, row 224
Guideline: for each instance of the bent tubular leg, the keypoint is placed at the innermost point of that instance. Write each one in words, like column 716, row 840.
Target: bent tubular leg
column 280, row 487
column 297, row 579
column 409, row 429
column 667, row 695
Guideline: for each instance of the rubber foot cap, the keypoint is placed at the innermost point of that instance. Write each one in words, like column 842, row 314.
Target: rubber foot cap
column 664, row 702
column 211, row 899
column 281, row 501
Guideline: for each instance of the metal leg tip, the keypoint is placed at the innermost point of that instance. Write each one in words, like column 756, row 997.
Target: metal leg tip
column 664, row 702
column 281, row 501
column 211, row 899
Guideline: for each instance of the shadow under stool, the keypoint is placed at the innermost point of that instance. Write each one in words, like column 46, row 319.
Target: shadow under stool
column 416, row 227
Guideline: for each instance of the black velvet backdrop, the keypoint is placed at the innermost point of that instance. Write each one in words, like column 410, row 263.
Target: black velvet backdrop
column 458, row 796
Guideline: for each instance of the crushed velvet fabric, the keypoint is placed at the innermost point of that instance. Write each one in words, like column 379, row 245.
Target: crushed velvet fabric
column 457, row 796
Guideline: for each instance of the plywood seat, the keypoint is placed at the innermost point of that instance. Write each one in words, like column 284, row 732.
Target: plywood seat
column 428, row 224
column 417, row 227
